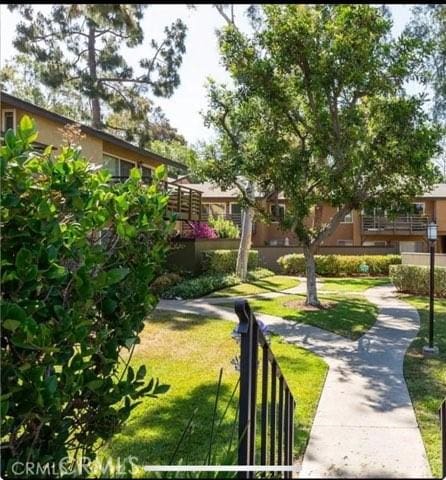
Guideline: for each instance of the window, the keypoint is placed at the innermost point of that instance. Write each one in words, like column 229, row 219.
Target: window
column 417, row 208
column 118, row 167
column 213, row 209
column 344, row 243
column 146, row 173
column 377, row 243
column 8, row 120
column 277, row 210
column 348, row 218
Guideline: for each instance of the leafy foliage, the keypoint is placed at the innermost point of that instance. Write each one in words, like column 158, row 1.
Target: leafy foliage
column 78, row 256
column 415, row 279
column 200, row 230
column 429, row 24
column 208, row 283
column 338, row 265
column 80, row 44
column 224, row 261
column 224, row 228
column 319, row 94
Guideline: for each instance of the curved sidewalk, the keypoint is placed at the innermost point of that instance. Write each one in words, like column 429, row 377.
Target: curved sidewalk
column 365, row 426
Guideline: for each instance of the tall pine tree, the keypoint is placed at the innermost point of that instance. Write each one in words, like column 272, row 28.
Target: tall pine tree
column 80, row 44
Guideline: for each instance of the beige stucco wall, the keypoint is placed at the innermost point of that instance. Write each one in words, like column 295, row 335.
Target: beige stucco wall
column 92, row 147
column 423, row 259
column 50, row 134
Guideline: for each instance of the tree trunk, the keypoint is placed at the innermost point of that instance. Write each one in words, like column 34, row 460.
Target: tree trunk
column 310, row 268
column 95, row 104
column 241, row 268
column 245, row 244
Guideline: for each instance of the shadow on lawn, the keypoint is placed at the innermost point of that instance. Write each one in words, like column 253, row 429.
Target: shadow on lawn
column 156, row 428
column 182, row 321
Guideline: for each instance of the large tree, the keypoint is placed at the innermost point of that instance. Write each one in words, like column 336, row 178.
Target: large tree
column 429, row 23
column 335, row 124
column 224, row 161
column 80, row 44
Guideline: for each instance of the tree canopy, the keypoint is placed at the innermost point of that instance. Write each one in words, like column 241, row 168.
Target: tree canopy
column 80, row 45
column 321, row 89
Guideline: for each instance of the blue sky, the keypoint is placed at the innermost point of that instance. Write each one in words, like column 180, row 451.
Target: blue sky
column 200, row 62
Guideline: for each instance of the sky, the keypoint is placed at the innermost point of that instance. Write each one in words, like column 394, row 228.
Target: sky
column 200, row 61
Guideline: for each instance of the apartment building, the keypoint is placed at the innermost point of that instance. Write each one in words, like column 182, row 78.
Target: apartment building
column 103, row 149
column 404, row 233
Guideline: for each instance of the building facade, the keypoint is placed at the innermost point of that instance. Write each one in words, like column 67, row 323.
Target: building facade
column 371, row 230
column 102, row 149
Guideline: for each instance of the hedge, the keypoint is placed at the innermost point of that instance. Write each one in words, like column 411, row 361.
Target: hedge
column 415, row 279
column 205, row 284
column 339, row 265
column 224, row 261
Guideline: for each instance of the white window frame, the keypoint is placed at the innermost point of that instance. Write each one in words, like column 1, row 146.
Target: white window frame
column 344, row 243
column 350, row 214
column 14, row 117
column 279, row 205
column 120, row 158
column 423, row 205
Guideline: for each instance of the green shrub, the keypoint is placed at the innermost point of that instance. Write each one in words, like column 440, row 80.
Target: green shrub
column 206, row 284
column 78, row 256
column 164, row 282
column 200, row 286
column 224, row 261
column 339, row 265
column 415, row 279
column 224, row 228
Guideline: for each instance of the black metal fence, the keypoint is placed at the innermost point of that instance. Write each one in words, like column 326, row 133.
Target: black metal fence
column 277, row 404
column 443, row 436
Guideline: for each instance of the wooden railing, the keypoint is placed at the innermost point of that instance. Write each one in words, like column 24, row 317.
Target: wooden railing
column 402, row 225
column 185, row 202
column 277, row 405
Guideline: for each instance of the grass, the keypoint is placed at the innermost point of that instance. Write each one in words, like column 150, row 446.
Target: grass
column 187, row 352
column 350, row 316
column 275, row 283
column 352, row 284
column 426, row 377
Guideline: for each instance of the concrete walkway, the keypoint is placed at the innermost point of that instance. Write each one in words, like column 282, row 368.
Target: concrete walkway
column 365, row 426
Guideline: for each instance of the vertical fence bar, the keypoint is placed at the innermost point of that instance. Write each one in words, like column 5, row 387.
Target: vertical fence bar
column 292, row 407
column 254, row 365
column 244, row 329
column 264, row 410
column 272, row 446
column 280, row 425
column 443, row 436
column 286, row 429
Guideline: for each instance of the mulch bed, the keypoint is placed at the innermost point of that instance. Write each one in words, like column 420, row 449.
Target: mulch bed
column 300, row 305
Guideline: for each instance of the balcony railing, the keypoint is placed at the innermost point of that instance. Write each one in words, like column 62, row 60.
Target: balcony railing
column 185, row 202
column 402, row 225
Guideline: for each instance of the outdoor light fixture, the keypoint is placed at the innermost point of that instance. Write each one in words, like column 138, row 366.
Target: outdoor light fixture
column 432, row 237
column 432, row 232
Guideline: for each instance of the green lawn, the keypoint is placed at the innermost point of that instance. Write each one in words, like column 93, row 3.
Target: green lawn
column 187, row 353
column 275, row 283
column 350, row 317
column 426, row 377
column 352, row 284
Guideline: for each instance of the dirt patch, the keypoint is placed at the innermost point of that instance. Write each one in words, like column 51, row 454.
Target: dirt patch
column 300, row 305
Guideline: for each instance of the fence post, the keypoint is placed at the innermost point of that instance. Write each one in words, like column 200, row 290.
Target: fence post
column 248, row 331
